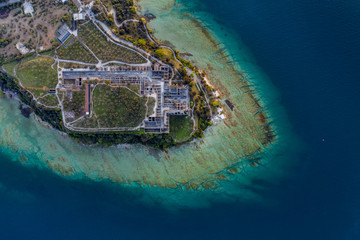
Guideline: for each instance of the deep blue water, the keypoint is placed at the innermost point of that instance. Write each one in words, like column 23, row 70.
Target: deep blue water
column 311, row 52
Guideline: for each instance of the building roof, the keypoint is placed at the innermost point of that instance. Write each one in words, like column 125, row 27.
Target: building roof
column 63, row 32
column 21, row 47
column 28, row 9
column 87, row 98
column 79, row 16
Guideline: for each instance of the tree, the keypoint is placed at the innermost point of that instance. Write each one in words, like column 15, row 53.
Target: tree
column 216, row 104
column 142, row 42
column 160, row 53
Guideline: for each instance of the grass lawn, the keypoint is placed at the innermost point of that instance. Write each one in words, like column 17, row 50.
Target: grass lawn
column 151, row 106
column 69, row 40
column 118, row 107
column 49, row 100
column 165, row 54
column 87, row 123
column 77, row 52
column 38, row 92
column 9, row 67
column 36, row 73
column 104, row 49
column 75, row 65
column 49, row 53
column 181, row 127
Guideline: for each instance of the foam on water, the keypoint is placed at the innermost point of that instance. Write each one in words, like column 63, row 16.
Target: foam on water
column 213, row 169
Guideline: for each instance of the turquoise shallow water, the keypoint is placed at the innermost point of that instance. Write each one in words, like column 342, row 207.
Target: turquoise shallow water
column 166, row 176
column 309, row 50
column 64, row 187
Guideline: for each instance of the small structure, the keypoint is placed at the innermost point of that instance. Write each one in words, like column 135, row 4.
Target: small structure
column 21, row 47
column 28, row 8
column 79, row 16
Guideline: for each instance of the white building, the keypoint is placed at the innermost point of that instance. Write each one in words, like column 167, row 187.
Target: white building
column 21, row 47
column 28, row 8
column 79, row 16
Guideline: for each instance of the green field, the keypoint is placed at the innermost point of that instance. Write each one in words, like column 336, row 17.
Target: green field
column 75, row 65
column 181, row 127
column 118, row 107
column 69, row 40
column 49, row 100
column 77, row 52
column 9, row 68
column 151, row 106
column 36, row 74
column 87, row 123
column 104, row 49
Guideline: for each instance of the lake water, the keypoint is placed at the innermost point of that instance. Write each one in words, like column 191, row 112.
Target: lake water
column 301, row 56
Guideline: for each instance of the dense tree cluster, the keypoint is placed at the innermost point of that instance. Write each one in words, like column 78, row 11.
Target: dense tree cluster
column 158, row 141
column 125, row 9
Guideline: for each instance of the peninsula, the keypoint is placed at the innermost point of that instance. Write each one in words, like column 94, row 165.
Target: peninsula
column 92, row 69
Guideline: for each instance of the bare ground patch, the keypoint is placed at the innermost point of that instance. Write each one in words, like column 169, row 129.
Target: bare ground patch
column 37, row 32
